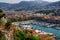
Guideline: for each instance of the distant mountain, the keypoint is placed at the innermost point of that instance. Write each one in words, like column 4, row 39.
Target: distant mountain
column 54, row 4
column 52, row 8
column 24, row 5
column 30, row 5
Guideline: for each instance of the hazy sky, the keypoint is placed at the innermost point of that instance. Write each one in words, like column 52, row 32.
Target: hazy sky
column 16, row 1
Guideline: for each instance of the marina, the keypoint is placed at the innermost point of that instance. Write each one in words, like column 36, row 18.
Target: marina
column 30, row 24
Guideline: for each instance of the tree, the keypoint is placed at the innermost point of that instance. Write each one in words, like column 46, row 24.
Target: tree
column 1, row 11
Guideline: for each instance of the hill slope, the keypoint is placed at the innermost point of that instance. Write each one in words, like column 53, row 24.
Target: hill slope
column 24, row 5
column 54, row 4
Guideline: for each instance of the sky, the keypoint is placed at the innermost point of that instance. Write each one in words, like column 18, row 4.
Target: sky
column 17, row 1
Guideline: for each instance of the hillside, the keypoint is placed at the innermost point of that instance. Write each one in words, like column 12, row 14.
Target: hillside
column 29, row 5
column 56, row 4
column 24, row 5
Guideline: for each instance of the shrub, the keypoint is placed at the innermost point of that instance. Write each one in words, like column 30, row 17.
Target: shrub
column 1, row 13
column 8, row 22
column 1, row 10
column 20, row 35
column 2, row 37
column 1, row 22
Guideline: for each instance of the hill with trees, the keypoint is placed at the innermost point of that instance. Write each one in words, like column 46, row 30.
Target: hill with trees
column 23, row 5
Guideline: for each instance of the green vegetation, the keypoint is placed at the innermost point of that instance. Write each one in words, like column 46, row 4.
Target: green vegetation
column 20, row 35
column 3, row 19
column 9, row 21
column 1, row 11
column 2, row 37
column 1, row 22
column 1, row 15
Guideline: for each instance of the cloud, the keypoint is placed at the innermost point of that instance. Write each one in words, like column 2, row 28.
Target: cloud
column 13, row 1
column 51, row 0
column 17, row 1
column 10, row 1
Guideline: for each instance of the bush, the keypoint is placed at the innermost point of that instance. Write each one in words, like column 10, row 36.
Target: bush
column 20, row 35
column 8, row 22
column 2, row 37
column 1, row 14
column 1, row 22
column 1, row 10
